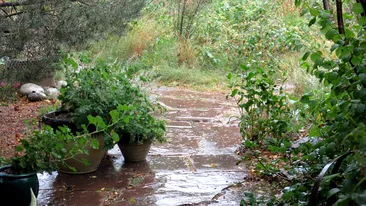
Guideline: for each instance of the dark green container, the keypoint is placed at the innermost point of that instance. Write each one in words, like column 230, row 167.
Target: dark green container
column 15, row 189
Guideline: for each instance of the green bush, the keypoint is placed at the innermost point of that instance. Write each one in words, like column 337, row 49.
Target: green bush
column 104, row 90
column 336, row 117
column 8, row 92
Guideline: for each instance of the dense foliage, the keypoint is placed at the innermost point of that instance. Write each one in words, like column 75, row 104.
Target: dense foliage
column 336, row 116
column 99, row 89
column 45, row 150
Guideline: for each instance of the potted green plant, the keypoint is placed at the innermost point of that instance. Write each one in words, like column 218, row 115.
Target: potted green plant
column 41, row 151
column 99, row 88
column 137, row 135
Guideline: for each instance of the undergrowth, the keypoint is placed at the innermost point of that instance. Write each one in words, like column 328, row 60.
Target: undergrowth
column 218, row 37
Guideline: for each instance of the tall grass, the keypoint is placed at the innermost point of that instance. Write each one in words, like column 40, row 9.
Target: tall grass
column 224, row 36
column 133, row 44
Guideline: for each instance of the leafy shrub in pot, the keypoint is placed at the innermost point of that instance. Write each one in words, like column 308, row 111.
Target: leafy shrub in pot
column 105, row 90
column 41, row 151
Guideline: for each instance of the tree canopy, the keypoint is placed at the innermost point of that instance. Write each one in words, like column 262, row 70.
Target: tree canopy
column 33, row 30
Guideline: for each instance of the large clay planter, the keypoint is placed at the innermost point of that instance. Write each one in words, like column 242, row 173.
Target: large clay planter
column 133, row 152
column 15, row 189
column 94, row 158
column 60, row 118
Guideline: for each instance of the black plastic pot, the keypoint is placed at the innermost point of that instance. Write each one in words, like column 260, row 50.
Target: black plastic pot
column 15, row 189
column 57, row 119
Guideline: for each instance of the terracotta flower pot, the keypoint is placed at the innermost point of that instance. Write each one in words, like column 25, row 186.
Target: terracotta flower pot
column 133, row 152
column 94, row 158
column 61, row 118
column 15, row 189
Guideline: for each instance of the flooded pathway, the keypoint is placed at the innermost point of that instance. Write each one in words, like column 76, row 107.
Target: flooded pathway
column 196, row 167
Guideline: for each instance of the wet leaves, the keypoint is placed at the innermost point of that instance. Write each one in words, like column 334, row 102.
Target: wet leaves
column 12, row 117
column 135, row 180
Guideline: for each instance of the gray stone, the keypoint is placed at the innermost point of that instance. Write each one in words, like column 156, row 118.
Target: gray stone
column 34, row 97
column 51, row 93
column 60, row 84
column 29, row 88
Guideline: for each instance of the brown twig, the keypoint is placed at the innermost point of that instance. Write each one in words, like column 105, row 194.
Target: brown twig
column 13, row 14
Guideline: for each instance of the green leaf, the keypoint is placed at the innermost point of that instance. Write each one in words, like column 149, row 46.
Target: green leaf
column 330, row 34
column 85, row 162
column 229, row 76
column 345, row 54
column 245, row 68
column 330, row 177
column 94, row 143
column 19, row 148
column 357, row 8
column 250, row 75
column 312, row 21
column 114, row 115
column 333, row 192
column 331, row 76
column 315, row 56
column 306, row 55
column 362, row 21
column 314, row 131
column 72, row 168
column 115, row 136
column 349, row 34
column 305, row 98
column 334, row 47
column 314, row 12
column 360, row 108
column 297, row 3
column 362, row 77
column 234, row 92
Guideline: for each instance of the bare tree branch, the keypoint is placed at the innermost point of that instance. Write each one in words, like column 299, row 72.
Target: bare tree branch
column 182, row 18
column 340, row 16
column 326, row 4
column 13, row 14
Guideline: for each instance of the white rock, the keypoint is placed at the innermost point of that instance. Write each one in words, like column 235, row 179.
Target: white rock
column 29, row 88
column 61, row 83
column 51, row 93
column 34, row 97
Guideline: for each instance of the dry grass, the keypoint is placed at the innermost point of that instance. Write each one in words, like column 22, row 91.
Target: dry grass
column 187, row 54
column 142, row 36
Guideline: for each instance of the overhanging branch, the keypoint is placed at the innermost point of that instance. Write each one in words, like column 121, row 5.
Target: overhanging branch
column 13, row 4
column 13, row 14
